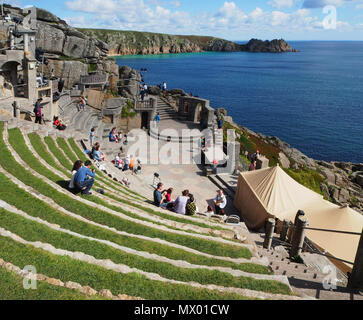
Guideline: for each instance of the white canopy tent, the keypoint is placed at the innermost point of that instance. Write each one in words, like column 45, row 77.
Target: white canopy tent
column 273, row 193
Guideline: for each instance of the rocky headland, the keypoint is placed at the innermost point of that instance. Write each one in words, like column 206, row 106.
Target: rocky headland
column 142, row 43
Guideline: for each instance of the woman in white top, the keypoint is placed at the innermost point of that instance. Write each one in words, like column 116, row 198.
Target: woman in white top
column 220, row 202
column 77, row 165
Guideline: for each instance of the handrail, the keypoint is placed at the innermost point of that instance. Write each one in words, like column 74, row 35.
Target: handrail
column 334, row 231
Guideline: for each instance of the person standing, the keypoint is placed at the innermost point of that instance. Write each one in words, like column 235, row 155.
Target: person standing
column 84, row 178
column 253, row 166
column 38, row 111
column 92, row 136
column 220, row 203
column 157, row 119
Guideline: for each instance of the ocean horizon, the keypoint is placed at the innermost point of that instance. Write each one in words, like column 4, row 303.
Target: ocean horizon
column 311, row 99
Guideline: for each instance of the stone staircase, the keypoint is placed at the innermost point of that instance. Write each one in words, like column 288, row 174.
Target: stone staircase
column 165, row 111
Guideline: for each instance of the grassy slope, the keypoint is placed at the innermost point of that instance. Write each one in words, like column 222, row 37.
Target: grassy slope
column 22, row 200
column 11, row 288
column 17, row 141
column 67, row 269
column 33, row 231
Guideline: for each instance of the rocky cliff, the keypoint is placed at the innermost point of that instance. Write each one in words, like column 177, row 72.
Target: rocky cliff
column 70, row 53
column 132, row 42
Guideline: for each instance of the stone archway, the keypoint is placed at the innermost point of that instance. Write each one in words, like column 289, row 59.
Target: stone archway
column 9, row 79
column 199, row 112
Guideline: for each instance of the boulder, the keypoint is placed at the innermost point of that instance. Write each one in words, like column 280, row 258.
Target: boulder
column 326, row 165
column 154, row 90
column 285, row 162
column 344, row 195
column 222, row 111
column 177, row 92
column 106, row 293
column 49, row 38
column 325, row 190
column 73, row 286
column 329, row 175
column 359, row 179
column 88, row 291
column 46, row 16
column 357, row 167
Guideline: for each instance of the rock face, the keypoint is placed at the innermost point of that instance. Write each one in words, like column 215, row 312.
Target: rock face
column 135, row 43
column 274, row 46
column 72, row 52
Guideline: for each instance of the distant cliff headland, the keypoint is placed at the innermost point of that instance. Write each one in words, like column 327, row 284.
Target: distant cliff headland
column 141, row 43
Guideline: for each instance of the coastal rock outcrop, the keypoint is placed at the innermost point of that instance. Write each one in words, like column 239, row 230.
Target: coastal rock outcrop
column 274, row 46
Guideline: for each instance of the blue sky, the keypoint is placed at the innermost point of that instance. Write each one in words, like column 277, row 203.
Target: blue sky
column 234, row 20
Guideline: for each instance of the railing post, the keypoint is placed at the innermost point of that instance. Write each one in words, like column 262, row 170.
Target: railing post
column 16, row 109
column 298, row 237
column 270, row 229
column 356, row 278
column 290, row 232
column 284, row 230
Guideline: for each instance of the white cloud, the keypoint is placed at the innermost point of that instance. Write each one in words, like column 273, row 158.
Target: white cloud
column 281, row 3
column 153, row 16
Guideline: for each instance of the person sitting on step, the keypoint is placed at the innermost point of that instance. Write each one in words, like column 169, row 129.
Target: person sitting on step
column 58, row 124
column 159, row 196
column 84, row 178
column 220, row 203
column 191, row 208
column 113, row 136
column 98, row 155
column 181, row 203
column 77, row 165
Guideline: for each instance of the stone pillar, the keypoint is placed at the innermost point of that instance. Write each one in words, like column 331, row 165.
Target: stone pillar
column 298, row 237
column 284, row 231
column 356, row 278
column 16, row 109
column 30, row 74
column 26, row 43
column 12, row 41
column 262, row 163
column 270, row 229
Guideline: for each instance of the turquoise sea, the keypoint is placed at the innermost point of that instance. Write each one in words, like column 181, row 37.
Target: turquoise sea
column 312, row 99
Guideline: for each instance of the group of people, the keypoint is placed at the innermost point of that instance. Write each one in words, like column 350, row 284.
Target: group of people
column 128, row 164
column 185, row 204
column 83, row 177
column 254, row 158
column 82, row 103
column 115, row 137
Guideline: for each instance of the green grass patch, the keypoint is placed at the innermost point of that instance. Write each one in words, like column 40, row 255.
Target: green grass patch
column 308, row 178
column 11, row 288
column 136, row 285
column 33, row 231
column 39, row 147
column 64, row 146
column 57, row 153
